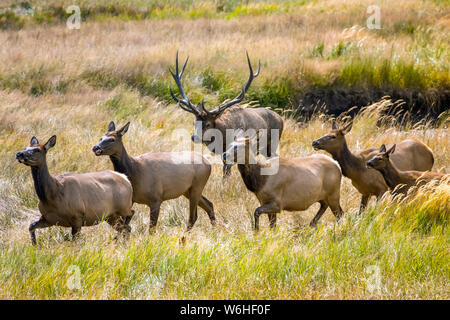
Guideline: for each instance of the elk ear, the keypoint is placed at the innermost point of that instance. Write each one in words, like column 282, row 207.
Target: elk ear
column 391, row 150
column 383, row 148
column 334, row 125
column 50, row 143
column 111, row 126
column 34, row 141
column 347, row 128
column 124, row 129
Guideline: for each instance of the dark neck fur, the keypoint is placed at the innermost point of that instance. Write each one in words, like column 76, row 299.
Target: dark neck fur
column 251, row 174
column 391, row 175
column 346, row 160
column 122, row 163
column 43, row 182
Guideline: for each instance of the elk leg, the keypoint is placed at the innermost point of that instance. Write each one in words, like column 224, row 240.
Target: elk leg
column 379, row 197
column 271, row 207
column 226, row 170
column 192, row 212
column 272, row 220
column 154, row 214
column 126, row 222
column 322, row 209
column 207, row 205
column 364, row 200
column 38, row 224
column 337, row 211
column 75, row 231
column 121, row 225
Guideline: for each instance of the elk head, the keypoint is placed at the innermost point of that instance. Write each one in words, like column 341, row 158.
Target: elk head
column 34, row 155
column 333, row 141
column 206, row 119
column 241, row 151
column 111, row 143
column 381, row 159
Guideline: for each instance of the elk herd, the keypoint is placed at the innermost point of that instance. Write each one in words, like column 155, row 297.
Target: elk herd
column 75, row 200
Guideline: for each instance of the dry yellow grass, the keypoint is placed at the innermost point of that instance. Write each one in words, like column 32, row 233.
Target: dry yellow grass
column 408, row 241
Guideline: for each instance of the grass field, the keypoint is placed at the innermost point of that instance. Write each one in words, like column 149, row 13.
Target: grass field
column 73, row 82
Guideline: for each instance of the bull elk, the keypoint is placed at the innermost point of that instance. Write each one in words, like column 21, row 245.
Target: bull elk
column 229, row 117
column 399, row 181
column 298, row 183
column 411, row 155
column 159, row 176
column 76, row 200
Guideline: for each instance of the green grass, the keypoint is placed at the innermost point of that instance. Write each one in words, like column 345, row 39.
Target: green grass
column 16, row 15
column 120, row 73
column 419, row 65
column 330, row 262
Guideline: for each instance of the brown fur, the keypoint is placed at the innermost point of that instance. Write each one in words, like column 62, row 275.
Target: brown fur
column 399, row 181
column 229, row 116
column 157, row 177
column 412, row 155
column 298, row 184
column 76, row 200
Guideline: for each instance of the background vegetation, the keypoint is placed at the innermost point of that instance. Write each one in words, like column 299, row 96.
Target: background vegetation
column 73, row 82
column 303, row 46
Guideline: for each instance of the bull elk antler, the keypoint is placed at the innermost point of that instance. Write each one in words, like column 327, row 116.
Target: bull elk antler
column 188, row 106
column 244, row 89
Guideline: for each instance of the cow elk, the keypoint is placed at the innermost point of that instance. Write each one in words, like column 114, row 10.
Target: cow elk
column 76, row 200
column 230, row 117
column 399, row 181
column 411, row 155
column 159, row 176
column 298, row 183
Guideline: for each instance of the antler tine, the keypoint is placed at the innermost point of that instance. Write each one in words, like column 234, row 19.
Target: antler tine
column 179, row 101
column 189, row 107
column 245, row 87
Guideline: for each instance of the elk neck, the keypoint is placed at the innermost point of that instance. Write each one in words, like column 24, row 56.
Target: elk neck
column 251, row 173
column 122, row 163
column 391, row 174
column 44, row 184
column 347, row 160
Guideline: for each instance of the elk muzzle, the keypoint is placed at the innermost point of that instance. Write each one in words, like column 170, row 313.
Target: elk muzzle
column 97, row 150
column 316, row 145
column 369, row 164
column 20, row 157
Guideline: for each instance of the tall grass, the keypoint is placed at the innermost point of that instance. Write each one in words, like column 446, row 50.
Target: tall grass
column 73, row 82
column 406, row 242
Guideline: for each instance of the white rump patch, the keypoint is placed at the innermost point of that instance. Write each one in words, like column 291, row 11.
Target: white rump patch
column 121, row 175
column 328, row 158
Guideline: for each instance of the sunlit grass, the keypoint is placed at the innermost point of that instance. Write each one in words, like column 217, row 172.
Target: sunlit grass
column 407, row 241
column 73, row 82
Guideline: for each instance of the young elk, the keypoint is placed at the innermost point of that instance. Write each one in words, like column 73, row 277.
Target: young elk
column 76, row 200
column 160, row 176
column 298, row 183
column 411, row 155
column 395, row 177
column 229, row 117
